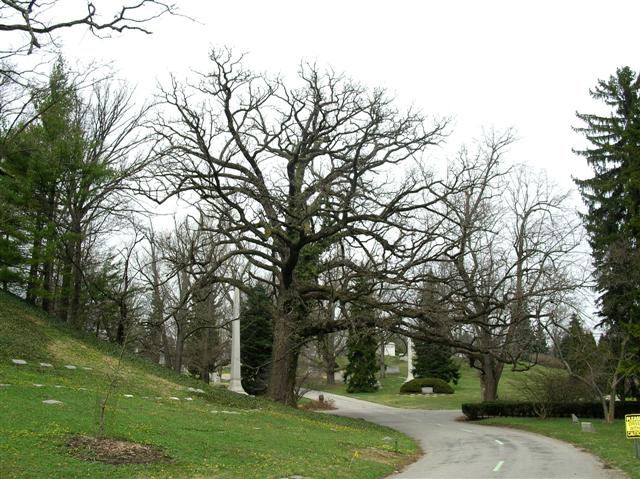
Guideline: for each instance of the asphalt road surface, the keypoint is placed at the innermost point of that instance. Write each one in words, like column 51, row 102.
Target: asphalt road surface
column 454, row 449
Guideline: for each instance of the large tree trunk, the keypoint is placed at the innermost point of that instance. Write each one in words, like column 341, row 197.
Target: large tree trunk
column 177, row 359
column 36, row 251
column 490, row 377
column 284, row 362
column 76, row 290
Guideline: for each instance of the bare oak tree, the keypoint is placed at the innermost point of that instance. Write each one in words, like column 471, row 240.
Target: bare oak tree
column 292, row 172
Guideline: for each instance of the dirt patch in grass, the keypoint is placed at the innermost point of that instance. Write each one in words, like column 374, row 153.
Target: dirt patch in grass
column 114, row 451
column 325, row 405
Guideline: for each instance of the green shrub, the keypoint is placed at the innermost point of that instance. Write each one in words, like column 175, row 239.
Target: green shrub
column 415, row 386
column 556, row 409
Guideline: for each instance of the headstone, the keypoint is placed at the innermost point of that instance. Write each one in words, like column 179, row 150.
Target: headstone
column 188, row 399
column 87, row 369
column 51, row 401
column 19, row 362
column 128, row 395
column 427, row 390
column 575, row 419
column 174, row 398
column 215, row 378
column 46, row 365
column 58, row 386
column 390, row 349
column 70, row 366
column 393, row 369
column 38, row 385
column 587, row 427
column 321, row 397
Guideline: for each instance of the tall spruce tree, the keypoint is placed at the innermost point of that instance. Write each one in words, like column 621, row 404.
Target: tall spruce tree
column 612, row 196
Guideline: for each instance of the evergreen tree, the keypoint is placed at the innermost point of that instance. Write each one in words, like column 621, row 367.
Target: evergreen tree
column 435, row 361
column 360, row 373
column 256, row 339
column 578, row 348
column 362, row 344
column 612, row 195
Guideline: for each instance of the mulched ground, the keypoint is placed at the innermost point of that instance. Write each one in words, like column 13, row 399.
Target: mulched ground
column 326, row 405
column 113, row 451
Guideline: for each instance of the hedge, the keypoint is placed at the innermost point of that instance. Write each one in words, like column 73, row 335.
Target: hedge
column 415, row 386
column 561, row 409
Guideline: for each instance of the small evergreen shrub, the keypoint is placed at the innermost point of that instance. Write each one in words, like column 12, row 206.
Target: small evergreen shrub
column 415, row 386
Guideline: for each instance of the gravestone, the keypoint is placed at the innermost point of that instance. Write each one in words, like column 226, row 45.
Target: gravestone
column 393, row 369
column 70, row 366
column 174, row 398
column 38, row 385
column 46, row 365
column 19, row 362
column 51, row 401
column 587, row 427
column 427, row 390
column 575, row 419
column 128, row 395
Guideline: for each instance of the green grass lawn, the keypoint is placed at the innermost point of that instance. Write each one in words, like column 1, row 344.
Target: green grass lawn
column 467, row 389
column 608, row 442
column 216, row 435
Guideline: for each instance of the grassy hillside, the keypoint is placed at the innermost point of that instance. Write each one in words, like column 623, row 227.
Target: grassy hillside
column 467, row 389
column 215, row 435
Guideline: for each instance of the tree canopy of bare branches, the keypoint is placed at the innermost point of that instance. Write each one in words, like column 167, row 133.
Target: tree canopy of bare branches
column 295, row 174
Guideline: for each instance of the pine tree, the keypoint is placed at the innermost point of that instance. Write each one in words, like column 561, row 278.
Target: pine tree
column 612, row 196
column 435, row 361
column 256, row 336
column 362, row 345
column 360, row 373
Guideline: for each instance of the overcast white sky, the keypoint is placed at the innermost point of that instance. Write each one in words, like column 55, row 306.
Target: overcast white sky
column 527, row 65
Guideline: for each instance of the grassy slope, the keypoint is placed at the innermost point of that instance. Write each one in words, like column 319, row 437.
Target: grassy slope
column 467, row 390
column 608, row 442
column 243, row 438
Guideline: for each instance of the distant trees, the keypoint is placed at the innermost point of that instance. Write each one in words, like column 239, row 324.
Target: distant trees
column 67, row 180
column 509, row 250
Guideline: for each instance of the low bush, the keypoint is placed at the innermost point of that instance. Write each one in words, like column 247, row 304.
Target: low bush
column 557, row 409
column 415, row 386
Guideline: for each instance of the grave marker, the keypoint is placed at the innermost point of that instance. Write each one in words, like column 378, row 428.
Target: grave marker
column 587, row 427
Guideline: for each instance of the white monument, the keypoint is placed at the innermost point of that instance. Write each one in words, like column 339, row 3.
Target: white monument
column 235, row 383
column 390, row 349
column 409, row 360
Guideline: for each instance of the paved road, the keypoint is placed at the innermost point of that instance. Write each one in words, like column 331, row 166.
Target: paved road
column 455, row 449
